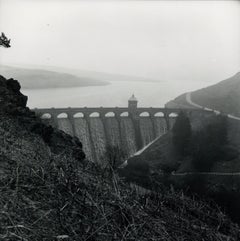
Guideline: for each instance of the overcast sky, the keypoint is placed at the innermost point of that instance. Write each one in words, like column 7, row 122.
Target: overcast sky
column 165, row 40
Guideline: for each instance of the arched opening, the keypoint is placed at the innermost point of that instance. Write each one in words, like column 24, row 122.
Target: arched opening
column 159, row 114
column 124, row 114
column 94, row 114
column 62, row 116
column 78, row 115
column 173, row 115
column 144, row 114
column 110, row 114
column 46, row 116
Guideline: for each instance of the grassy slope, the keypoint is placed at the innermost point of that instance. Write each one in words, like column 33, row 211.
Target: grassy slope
column 48, row 198
column 179, row 102
column 224, row 96
column 42, row 79
column 48, row 191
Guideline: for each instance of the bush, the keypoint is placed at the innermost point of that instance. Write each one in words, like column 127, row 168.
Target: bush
column 210, row 144
column 182, row 134
column 114, row 157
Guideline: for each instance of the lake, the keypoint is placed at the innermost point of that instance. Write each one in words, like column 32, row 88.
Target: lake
column 117, row 93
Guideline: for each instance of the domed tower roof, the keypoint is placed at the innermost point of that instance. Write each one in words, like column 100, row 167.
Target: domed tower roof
column 132, row 98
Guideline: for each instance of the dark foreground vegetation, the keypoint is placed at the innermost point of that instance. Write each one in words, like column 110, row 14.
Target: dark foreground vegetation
column 206, row 145
column 49, row 192
column 197, row 153
column 57, row 203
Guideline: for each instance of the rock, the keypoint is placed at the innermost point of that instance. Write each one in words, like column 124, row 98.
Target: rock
column 15, row 114
column 13, row 85
column 10, row 95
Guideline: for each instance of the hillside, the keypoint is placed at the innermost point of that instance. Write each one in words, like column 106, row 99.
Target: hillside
column 212, row 173
column 49, row 192
column 223, row 96
column 104, row 76
column 43, row 79
column 160, row 155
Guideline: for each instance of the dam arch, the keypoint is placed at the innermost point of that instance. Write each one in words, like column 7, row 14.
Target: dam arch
column 124, row 114
column 159, row 114
column 62, row 116
column 173, row 115
column 79, row 115
column 144, row 114
column 46, row 116
column 94, row 114
column 64, row 122
column 110, row 114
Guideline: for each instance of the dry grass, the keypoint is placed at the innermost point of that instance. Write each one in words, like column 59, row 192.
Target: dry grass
column 67, row 200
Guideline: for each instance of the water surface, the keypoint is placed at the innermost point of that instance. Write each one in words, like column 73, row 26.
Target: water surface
column 154, row 94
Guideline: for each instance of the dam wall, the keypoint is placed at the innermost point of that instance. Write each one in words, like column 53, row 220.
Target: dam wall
column 131, row 128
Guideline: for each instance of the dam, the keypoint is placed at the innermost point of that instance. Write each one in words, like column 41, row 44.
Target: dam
column 130, row 128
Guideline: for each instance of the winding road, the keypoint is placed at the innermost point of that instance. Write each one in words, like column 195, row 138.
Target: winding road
column 190, row 102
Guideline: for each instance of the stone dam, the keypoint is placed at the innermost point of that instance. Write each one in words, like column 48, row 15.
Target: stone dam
column 131, row 128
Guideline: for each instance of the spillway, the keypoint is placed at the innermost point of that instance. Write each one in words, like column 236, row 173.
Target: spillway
column 82, row 132
column 171, row 122
column 96, row 133
column 160, row 126
column 98, row 137
column 128, row 136
column 146, row 129
column 112, row 131
column 65, row 125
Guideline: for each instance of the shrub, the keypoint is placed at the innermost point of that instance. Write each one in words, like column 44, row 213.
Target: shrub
column 182, row 134
column 210, row 144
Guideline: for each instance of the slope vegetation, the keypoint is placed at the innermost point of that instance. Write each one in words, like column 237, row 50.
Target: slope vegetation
column 49, row 192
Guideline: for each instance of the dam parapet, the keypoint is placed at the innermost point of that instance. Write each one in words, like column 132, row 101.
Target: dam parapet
column 131, row 128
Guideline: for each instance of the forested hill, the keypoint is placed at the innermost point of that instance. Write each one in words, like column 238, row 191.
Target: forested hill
column 42, row 79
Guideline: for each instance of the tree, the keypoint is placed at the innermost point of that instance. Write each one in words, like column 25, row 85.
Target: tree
column 182, row 134
column 4, row 41
column 210, row 144
column 114, row 156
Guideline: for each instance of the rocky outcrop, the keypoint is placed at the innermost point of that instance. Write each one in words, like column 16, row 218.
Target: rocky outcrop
column 10, row 96
column 23, row 134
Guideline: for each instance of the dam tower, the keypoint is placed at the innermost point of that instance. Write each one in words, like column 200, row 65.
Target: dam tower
column 132, row 105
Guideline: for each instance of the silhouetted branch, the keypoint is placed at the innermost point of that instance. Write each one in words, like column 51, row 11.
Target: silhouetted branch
column 4, row 41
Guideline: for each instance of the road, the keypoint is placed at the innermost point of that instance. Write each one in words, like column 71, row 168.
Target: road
column 189, row 101
column 206, row 173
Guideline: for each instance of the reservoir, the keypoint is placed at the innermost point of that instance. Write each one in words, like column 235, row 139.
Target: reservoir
column 149, row 94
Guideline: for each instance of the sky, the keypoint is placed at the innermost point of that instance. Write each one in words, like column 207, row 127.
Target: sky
column 161, row 40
